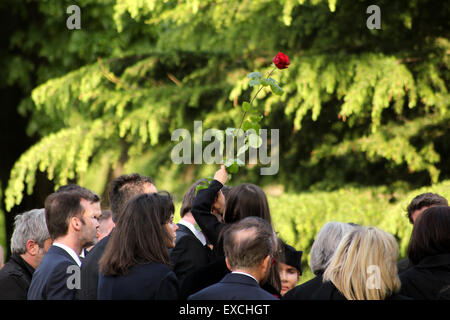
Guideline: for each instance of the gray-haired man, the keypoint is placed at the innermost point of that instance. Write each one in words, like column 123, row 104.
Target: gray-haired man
column 29, row 243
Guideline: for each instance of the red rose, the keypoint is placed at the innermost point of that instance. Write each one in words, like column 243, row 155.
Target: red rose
column 281, row 60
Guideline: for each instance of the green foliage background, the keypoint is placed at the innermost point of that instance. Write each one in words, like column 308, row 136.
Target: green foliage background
column 363, row 121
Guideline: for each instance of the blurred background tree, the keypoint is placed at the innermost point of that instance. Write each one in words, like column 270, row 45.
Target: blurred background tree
column 362, row 108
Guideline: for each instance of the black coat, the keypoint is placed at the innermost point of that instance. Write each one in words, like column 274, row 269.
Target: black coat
column 233, row 287
column 188, row 253
column 89, row 271
column 304, row 291
column 403, row 265
column 328, row 291
column 15, row 279
column 150, row 281
column 52, row 276
column 201, row 210
column 429, row 279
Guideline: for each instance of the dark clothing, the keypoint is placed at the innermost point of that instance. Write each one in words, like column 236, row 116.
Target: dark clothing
column 89, row 270
column 50, row 280
column 188, row 253
column 305, row 290
column 403, row 265
column 328, row 291
column 210, row 274
column 15, row 279
column 203, row 277
column 151, row 281
column 201, row 210
column 234, row 287
column 429, row 279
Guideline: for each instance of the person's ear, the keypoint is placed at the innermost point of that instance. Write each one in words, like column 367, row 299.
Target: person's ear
column 32, row 247
column 75, row 222
column 266, row 263
column 228, row 264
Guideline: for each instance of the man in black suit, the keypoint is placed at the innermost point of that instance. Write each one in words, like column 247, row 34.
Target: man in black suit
column 29, row 243
column 71, row 218
column 122, row 189
column 191, row 249
column 249, row 246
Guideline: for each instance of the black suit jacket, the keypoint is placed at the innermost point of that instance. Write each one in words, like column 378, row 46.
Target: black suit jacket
column 188, row 253
column 305, row 290
column 429, row 279
column 50, row 280
column 15, row 279
column 89, row 270
column 150, row 281
column 234, row 286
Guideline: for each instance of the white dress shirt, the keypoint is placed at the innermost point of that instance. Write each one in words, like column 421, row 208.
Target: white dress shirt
column 198, row 234
column 70, row 251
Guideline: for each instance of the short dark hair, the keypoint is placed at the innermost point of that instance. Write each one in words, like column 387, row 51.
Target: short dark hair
column 189, row 196
column 123, row 189
column 431, row 234
column 139, row 236
column 246, row 200
column 86, row 193
column 60, row 207
column 248, row 241
column 427, row 199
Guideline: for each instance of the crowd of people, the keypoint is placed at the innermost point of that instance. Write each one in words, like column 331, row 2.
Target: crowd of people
column 223, row 248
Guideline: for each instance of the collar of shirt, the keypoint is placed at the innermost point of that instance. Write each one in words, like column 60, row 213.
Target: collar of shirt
column 246, row 274
column 70, row 251
column 198, row 234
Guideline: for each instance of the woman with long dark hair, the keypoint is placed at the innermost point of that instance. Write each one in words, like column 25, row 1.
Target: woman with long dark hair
column 429, row 254
column 135, row 264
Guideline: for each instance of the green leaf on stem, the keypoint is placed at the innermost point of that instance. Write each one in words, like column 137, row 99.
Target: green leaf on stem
column 276, row 89
column 234, row 168
column 255, row 75
column 246, row 106
column 254, row 82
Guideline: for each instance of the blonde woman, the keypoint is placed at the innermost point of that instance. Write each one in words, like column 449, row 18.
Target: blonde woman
column 364, row 267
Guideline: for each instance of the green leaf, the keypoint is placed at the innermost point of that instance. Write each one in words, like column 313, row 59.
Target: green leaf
column 247, row 125
column 254, row 82
column 200, row 187
column 254, row 141
column 246, row 106
column 229, row 162
column 255, row 75
column 276, row 89
column 256, row 118
column 265, row 82
column 234, row 168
